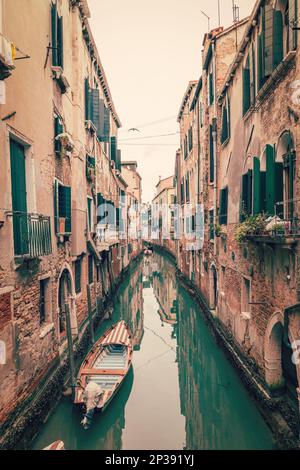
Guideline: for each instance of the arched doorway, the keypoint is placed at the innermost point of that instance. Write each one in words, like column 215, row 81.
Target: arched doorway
column 66, row 297
column 280, row 369
column 273, row 345
column 213, row 287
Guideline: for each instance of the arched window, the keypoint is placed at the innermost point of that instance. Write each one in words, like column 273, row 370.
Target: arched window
column 285, row 156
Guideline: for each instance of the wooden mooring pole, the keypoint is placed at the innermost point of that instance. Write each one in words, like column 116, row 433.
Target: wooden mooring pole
column 71, row 351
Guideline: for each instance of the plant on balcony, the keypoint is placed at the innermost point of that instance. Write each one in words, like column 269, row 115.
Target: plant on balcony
column 90, row 169
column 252, row 225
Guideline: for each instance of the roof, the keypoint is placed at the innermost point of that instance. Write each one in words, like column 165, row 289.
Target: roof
column 239, row 55
column 185, row 98
column 164, row 179
column 216, row 34
column 94, row 54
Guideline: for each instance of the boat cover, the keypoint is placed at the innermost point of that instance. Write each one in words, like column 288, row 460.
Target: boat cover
column 118, row 335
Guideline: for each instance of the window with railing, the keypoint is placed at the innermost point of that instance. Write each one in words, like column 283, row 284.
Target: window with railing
column 32, row 235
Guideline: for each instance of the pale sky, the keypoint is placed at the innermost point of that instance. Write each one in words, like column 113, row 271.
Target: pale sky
column 150, row 50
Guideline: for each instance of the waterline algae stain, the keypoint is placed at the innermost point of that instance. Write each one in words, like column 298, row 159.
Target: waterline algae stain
column 181, row 393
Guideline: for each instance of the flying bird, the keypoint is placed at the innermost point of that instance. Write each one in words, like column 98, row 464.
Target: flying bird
column 134, row 129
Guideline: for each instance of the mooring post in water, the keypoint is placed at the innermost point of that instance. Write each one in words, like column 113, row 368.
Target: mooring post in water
column 90, row 312
column 71, row 351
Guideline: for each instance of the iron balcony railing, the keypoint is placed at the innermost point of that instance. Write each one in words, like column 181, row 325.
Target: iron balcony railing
column 32, row 235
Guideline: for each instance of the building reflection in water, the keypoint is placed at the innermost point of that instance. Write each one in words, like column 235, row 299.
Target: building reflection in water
column 165, row 288
column 130, row 301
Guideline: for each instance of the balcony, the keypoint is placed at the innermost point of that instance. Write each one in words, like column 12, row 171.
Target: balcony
column 6, row 58
column 32, row 235
column 280, row 232
column 106, row 237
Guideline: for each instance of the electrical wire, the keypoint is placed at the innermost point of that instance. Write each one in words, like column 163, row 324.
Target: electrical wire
column 150, row 136
column 141, row 126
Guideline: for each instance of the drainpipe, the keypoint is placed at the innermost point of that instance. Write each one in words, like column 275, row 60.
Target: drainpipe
column 199, row 180
column 214, row 133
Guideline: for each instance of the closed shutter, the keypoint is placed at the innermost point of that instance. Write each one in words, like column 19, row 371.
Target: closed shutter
column 54, row 34
column 224, row 133
column 211, row 88
column 223, row 206
column 106, row 126
column 19, row 198
column 270, row 180
column 293, row 16
column 60, row 42
column 211, row 155
column 113, row 149
column 95, row 107
column 250, row 192
column 246, row 90
column 55, row 200
column 291, row 183
column 268, row 40
column 260, row 80
column 89, row 207
column 87, row 99
column 211, row 225
column 256, row 186
column 278, row 38
column 279, row 188
column 228, row 116
column 253, row 81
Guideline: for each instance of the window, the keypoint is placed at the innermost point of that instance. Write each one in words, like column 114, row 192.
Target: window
column 113, row 149
column 45, row 300
column 185, row 148
column 182, row 191
column 187, row 187
column 91, row 269
column 190, row 135
column 223, row 206
column 225, row 133
column 57, row 38
column 58, row 129
column 62, row 208
column 246, row 201
column 211, row 155
column 78, row 263
column 90, row 214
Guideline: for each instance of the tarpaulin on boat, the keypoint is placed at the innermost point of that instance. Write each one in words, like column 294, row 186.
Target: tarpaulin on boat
column 118, row 335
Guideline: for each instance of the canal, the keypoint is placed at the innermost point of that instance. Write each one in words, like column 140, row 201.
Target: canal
column 182, row 393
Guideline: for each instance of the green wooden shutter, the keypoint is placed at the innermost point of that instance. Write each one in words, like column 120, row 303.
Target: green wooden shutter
column 268, row 40
column 228, row 116
column 253, row 75
column 211, row 155
column 19, row 198
column 87, row 99
column 55, row 200
column 211, row 88
column 291, row 183
column 260, row 80
column 278, row 38
column 89, row 207
column 95, row 108
column 60, row 42
column 279, row 188
column 270, row 180
column 246, row 90
column 293, row 16
column 256, row 186
column 250, row 191
column 113, row 149
column 54, row 34
column 211, row 225
column 224, row 132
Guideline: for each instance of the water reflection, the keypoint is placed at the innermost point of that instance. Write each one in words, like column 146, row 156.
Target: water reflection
column 181, row 392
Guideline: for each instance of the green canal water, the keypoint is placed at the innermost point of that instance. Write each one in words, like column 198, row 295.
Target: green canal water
column 182, row 393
